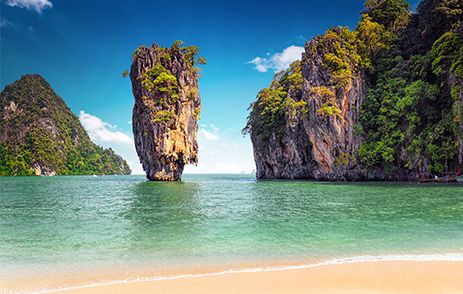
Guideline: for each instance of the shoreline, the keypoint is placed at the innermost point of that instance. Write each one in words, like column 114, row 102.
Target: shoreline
column 361, row 271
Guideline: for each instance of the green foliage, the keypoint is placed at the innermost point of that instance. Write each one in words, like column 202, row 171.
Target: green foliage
column 162, row 116
column 324, row 92
column 376, row 153
column 277, row 103
column 407, row 119
column 160, row 86
column 390, row 13
column 161, row 82
column 405, row 105
column 135, row 53
column 189, row 52
column 457, row 64
column 202, row 60
column 341, row 57
column 345, row 159
column 373, row 39
column 445, row 52
column 412, row 116
column 197, row 113
column 457, row 110
column 95, row 161
column 43, row 132
column 177, row 45
column 451, row 9
column 292, row 79
column 15, row 162
column 329, row 109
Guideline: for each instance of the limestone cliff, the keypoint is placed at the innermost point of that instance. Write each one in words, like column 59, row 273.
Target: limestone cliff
column 313, row 133
column 166, row 109
column 381, row 102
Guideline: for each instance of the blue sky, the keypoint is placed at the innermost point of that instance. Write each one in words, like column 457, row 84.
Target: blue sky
column 81, row 48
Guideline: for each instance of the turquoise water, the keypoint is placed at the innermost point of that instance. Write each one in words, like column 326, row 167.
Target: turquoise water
column 68, row 223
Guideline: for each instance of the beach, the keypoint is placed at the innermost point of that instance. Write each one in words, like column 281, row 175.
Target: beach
column 362, row 277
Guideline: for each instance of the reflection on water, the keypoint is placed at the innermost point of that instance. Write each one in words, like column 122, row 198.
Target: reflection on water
column 162, row 216
column 68, row 222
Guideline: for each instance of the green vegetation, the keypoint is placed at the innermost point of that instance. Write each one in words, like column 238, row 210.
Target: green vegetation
column 162, row 115
column 160, row 86
column 412, row 116
column 16, row 162
column 277, row 103
column 135, row 53
column 407, row 118
column 189, row 52
column 372, row 40
column 340, row 55
column 324, row 92
column 447, row 54
column 161, row 83
column 329, row 109
column 202, row 60
column 197, row 113
column 345, row 159
column 393, row 14
column 41, row 131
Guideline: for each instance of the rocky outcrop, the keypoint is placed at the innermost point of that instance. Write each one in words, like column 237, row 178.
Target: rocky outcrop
column 381, row 102
column 166, row 109
column 39, row 135
column 319, row 141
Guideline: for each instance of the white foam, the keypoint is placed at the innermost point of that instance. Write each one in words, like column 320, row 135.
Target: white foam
column 452, row 257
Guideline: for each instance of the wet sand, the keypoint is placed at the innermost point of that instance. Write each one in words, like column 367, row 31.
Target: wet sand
column 366, row 277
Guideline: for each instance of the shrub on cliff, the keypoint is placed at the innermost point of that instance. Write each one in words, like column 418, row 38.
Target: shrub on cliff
column 275, row 103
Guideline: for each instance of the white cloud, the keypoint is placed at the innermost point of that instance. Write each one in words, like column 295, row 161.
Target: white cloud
column 37, row 5
column 278, row 61
column 226, row 151
column 220, row 151
column 101, row 131
column 107, row 136
column 211, row 135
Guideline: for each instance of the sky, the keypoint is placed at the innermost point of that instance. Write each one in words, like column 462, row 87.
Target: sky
column 81, row 48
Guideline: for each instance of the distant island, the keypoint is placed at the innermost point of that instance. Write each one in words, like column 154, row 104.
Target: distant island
column 381, row 102
column 39, row 135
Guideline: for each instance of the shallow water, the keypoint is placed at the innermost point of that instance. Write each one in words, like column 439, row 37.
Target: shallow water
column 59, row 224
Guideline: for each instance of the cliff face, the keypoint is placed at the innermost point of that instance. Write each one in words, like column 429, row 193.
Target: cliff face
column 166, row 110
column 382, row 102
column 39, row 135
column 316, row 139
column 334, row 108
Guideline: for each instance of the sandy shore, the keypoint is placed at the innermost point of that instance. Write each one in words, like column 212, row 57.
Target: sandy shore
column 369, row 277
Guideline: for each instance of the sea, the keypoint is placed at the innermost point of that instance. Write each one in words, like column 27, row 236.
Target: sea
column 73, row 231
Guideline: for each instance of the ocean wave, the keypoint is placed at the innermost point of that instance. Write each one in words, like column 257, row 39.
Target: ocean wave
column 451, row 257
